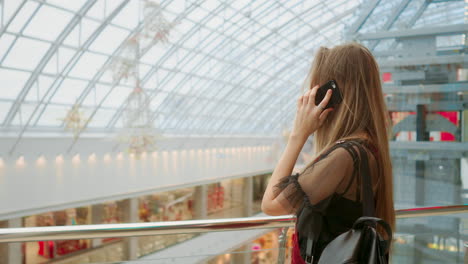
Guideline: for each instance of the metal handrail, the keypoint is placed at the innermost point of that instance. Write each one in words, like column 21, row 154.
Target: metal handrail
column 27, row 234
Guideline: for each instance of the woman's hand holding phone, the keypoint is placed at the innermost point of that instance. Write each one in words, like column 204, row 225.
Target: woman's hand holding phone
column 309, row 117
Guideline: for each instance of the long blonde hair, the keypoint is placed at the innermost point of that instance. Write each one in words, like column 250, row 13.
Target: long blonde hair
column 363, row 108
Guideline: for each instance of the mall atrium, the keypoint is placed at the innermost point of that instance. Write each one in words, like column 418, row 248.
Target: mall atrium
column 153, row 113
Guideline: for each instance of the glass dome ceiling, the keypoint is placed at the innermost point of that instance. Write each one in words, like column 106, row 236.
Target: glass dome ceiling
column 229, row 67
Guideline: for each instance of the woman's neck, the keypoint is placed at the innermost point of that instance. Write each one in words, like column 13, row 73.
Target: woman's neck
column 361, row 134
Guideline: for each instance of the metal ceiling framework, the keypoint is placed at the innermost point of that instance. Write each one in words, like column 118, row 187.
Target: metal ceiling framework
column 235, row 67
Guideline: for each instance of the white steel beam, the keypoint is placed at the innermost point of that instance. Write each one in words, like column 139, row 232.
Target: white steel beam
column 427, row 31
column 366, row 12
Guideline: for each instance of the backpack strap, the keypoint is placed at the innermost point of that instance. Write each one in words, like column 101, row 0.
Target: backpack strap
column 366, row 183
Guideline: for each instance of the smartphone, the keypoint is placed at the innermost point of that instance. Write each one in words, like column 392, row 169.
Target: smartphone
column 336, row 97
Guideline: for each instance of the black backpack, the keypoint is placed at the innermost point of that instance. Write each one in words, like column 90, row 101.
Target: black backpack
column 362, row 243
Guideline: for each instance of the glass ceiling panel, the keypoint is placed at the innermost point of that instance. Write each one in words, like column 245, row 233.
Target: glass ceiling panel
column 39, row 88
column 102, row 43
column 59, row 60
column 24, row 15
column 407, row 14
column 74, row 5
column 88, row 65
column 4, row 107
column 5, row 42
column 81, row 32
column 39, row 26
column 25, row 111
column 9, row 8
column 26, row 54
column 69, row 91
column 210, row 77
column 117, row 97
column 444, row 13
column 129, row 16
column 101, row 118
column 12, row 83
column 53, row 115
column 97, row 95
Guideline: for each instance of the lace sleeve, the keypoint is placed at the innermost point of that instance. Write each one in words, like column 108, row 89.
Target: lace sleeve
column 331, row 173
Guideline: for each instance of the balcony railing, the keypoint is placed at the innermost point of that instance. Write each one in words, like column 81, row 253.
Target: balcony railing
column 26, row 234
column 29, row 234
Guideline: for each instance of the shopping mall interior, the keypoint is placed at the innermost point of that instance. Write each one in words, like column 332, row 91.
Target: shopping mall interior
column 155, row 113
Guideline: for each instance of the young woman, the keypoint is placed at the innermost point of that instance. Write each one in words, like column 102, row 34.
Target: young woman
column 329, row 186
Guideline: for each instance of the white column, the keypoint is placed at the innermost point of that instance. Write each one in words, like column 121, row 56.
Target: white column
column 96, row 219
column 14, row 249
column 200, row 202
column 248, row 196
column 130, row 209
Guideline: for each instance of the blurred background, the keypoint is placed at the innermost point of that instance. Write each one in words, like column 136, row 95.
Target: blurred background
column 127, row 111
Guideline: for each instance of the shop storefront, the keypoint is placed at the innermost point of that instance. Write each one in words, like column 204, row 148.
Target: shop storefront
column 263, row 250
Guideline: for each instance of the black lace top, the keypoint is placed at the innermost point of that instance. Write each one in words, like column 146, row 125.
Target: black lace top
column 328, row 190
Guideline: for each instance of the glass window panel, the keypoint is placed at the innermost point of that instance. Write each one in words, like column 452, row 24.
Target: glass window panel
column 215, row 22
column 101, row 118
column 12, row 83
column 9, row 8
column 238, row 5
column 48, row 23
column 171, row 62
column 22, row 17
column 74, row 5
column 88, row 65
column 193, row 41
column 128, row 17
column 184, row 27
column 53, row 115
column 154, row 54
column 4, row 109
column 171, row 16
column 39, row 89
column 64, row 57
column 51, row 67
column 177, row 5
column 198, row 14
column 185, row 88
column 5, row 43
column 293, row 4
column 112, row 5
column 88, row 27
column 144, row 69
column 109, row 39
column 159, row 77
column 69, row 91
column 24, row 113
column 107, row 77
column 26, row 54
column 217, row 40
column 174, row 82
column 96, row 95
column 97, row 10
column 59, row 60
column 117, row 97
column 157, row 100
column 73, row 38
column 211, row 4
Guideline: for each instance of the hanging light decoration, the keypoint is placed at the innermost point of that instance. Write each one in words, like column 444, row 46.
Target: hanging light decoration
column 138, row 132
column 156, row 26
column 124, row 65
column 74, row 120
